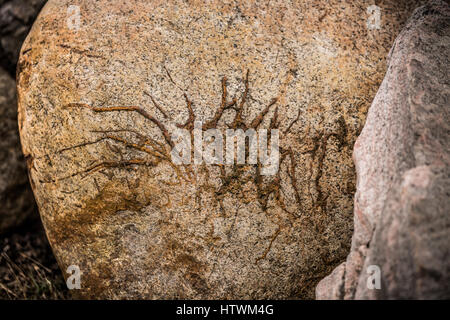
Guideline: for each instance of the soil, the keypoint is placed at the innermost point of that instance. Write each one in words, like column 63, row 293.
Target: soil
column 28, row 269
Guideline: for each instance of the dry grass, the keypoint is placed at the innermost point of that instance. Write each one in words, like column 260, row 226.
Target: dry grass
column 28, row 269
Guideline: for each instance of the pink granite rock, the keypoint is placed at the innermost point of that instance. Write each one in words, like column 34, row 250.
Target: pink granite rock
column 402, row 157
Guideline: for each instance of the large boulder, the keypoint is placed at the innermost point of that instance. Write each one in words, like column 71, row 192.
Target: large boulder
column 102, row 88
column 402, row 157
column 16, row 198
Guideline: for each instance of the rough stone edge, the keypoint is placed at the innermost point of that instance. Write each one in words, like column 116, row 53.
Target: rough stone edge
column 339, row 285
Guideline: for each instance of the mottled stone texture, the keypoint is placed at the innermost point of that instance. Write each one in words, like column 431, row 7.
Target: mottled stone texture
column 16, row 197
column 16, row 18
column 402, row 157
column 98, row 104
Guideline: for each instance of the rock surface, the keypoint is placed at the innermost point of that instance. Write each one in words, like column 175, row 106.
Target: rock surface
column 16, row 197
column 16, row 18
column 99, row 99
column 402, row 157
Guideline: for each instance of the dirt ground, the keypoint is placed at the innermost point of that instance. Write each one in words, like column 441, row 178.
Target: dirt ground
column 28, row 269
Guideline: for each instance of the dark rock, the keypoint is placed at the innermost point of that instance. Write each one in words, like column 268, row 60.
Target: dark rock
column 16, row 19
column 16, row 198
